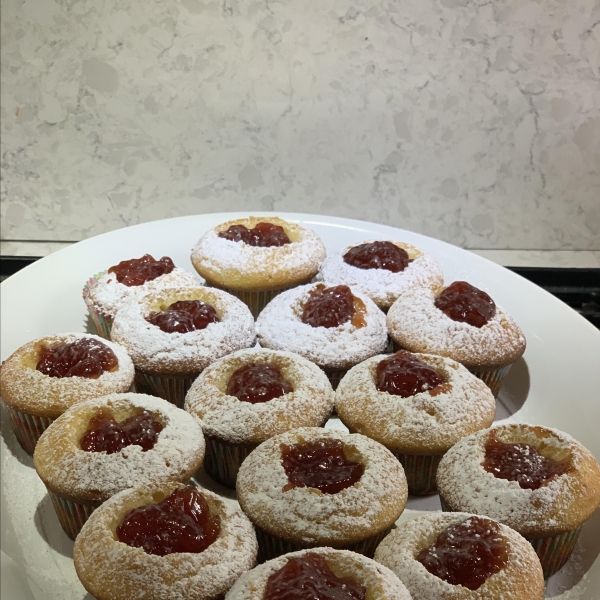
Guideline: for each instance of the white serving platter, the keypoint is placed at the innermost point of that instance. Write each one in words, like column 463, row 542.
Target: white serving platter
column 556, row 383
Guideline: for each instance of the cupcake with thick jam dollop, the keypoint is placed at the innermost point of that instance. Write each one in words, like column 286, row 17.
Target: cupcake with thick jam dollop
column 256, row 258
column 251, row 395
column 314, row 487
column 166, row 541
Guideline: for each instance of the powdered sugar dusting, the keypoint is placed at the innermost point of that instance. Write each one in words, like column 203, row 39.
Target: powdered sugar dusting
column 279, row 326
column 420, row 424
column 223, row 416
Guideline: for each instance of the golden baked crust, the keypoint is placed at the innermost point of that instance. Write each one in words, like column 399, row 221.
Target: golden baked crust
column 520, row 579
column 238, row 266
column 82, row 476
column 380, row 582
column 560, row 505
column 112, row 570
column 426, row 423
column 308, row 517
column 26, row 389
column 236, row 422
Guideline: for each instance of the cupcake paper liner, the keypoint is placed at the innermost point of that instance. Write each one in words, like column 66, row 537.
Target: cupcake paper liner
column 102, row 322
column 420, row 472
column 222, row 461
column 172, row 389
column 492, row 378
column 334, row 376
column 255, row 301
column 72, row 515
column 27, row 428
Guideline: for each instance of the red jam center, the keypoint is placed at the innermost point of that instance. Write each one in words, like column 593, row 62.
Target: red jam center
column 84, row 358
column 403, row 374
column 258, row 383
column 309, row 577
column 329, row 307
column 138, row 271
column 321, row 464
column 465, row 303
column 184, row 316
column 180, row 523
column 467, row 553
column 263, row 234
column 104, row 434
column 378, row 255
column 521, row 463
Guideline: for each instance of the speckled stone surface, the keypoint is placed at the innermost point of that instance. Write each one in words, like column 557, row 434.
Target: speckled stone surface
column 470, row 121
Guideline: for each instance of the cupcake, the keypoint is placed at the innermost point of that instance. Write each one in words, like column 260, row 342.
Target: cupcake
column 107, row 292
column 539, row 481
column 256, row 258
column 248, row 397
column 315, row 487
column 334, row 327
column 43, row 378
column 382, row 270
column 461, row 322
column 319, row 573
column 170, row 541
column 462, row 557
column 102, row 446
column 417, row 405
column 173, row 334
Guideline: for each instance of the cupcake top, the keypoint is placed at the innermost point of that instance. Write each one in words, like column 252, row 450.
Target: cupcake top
column 154, row 351
column 520, row 578
column 112, row 570
column 106, row 294
column 561, row 502
column 381, row 272
column 242, row 266
column 308, row 402
column 70, row 471
column 362, row 334
column 378, row 582
column 417, row 324
column 427, row 422
column 304, row 514
column 25, row 388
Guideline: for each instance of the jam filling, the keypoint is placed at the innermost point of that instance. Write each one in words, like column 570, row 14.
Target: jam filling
column 84, row 358
column 262, row 234
column 180, row 523
column 521, row 463
column 329, row 307
column 258, row 383
column 104, row 434
column 403, row 374
column 378, row 255
column 466, row 553
column 465, row 303
column 184, row 316
column 321, row 465
column 138, row 271
column 309, row 577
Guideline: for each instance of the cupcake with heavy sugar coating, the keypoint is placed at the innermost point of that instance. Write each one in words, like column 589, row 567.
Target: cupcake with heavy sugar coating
column 255, row 258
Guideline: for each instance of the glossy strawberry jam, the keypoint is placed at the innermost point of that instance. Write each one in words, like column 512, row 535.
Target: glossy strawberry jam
column 467, row 553
column 180, row 523
column 258, row 383
column 378, row 255
column 329, row 307
column 465, row 303
column 309, row 577
column 522, row 463
column 138, row 271
column 262, row 234
column 104, row 434
column 321, row 464
column 184, row 316
column 403, row 374
column 84, row 358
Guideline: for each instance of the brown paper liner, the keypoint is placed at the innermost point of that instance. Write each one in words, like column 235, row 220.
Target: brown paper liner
column 222, row 460
column 27, row 428
column 72, row 515
column 334, row 376
column 172, row 389
column 420, row 472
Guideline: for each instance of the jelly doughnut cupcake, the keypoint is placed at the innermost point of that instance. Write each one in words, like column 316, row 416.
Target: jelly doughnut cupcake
column 248, row 397
column 256, row 258
column 43, row 378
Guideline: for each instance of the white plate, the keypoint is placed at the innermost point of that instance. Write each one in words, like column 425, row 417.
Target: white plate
column 556, row 384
